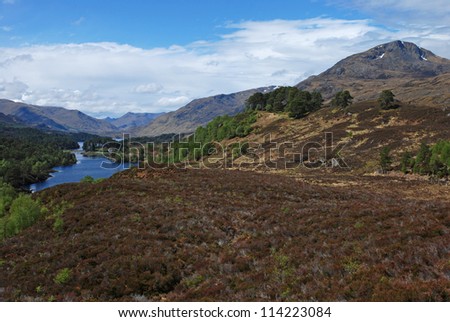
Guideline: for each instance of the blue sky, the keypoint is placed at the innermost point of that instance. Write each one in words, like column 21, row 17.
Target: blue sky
column 110, row 57
column 145, row 24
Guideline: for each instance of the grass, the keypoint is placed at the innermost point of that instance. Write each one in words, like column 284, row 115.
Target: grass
column 63, row 276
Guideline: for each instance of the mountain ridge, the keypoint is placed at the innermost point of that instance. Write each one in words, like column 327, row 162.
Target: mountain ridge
column 415, row 75
column 198, row 113
column 55, row 118
column 395, row 57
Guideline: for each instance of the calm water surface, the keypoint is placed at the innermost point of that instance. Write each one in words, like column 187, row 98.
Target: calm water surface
column 86, row 166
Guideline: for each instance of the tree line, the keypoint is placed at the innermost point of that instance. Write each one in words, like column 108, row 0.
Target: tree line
column 286, row 99
column 431, row 160
column 201, row 142
column 173, row 148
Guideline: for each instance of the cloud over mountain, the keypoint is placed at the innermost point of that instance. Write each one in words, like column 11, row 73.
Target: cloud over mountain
column 110, row 79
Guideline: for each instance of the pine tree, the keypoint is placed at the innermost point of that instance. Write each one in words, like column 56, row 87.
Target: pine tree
column 385, row 159
column 386, row 99
column 407, row 162
column 342, row 99
column 422, row 162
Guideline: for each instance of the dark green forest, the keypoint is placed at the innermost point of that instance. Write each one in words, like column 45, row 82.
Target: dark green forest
column 202, row 142
column 28, row 155
column 286, row 99
column 175, row 148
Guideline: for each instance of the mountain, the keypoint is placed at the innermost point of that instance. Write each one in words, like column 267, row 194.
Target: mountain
column 198, row 113
column 132, row 120
column 414, row 74
column 56, row 118
column 10, row 120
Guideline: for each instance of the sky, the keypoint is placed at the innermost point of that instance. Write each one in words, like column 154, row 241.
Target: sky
column 107, row 58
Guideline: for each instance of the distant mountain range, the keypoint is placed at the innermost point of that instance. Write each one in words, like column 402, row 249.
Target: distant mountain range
column 414, row 74
column 184, row 120
column 56, row 118
column 61, row 119
column 131, row 120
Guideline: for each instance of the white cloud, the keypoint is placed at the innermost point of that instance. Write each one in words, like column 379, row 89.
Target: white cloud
column 171, row 101
column 14, row 89
column 18, row 58
column 423, row 19
column 111, row 79
column 423, row 22
column 150, row 88
column 9, row 1
column 6, row 28
column 79, row 21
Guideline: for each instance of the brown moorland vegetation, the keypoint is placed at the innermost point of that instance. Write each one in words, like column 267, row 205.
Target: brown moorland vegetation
column 226, row 235
column 362, row 130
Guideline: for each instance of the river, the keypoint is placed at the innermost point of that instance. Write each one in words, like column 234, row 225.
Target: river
column 85, row 166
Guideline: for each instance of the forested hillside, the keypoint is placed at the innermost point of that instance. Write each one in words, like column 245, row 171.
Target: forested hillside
column 28, row 155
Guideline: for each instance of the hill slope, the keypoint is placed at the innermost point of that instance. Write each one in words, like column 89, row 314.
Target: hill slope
column 198, row 113
column 56, row 118
column 359, row 133
column 415, row 74
column 177, row 235
column 10, row 120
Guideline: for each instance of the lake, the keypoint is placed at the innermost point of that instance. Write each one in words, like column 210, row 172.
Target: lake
column 85, row 166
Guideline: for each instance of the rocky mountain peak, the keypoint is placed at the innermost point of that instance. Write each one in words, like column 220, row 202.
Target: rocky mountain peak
column 400, row 50
column 414, row 74
column 389, row 60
